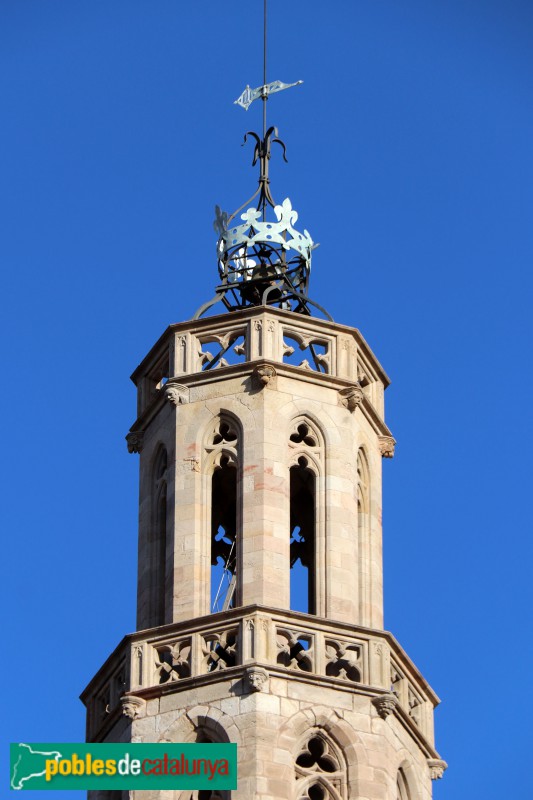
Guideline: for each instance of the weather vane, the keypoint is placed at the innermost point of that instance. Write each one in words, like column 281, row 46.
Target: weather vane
column 263, row 262
column 249, row 95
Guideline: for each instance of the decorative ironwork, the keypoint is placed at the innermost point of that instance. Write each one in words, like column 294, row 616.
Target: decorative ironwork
column 263, row 261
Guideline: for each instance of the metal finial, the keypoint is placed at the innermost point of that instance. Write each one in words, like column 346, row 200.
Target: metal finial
column 260, row 261
column 262, row 154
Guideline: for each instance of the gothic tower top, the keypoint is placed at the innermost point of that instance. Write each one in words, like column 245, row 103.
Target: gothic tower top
column 260, row 574
column 263, row 260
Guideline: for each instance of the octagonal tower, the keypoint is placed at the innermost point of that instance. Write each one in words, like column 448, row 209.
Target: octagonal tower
column 261, row 434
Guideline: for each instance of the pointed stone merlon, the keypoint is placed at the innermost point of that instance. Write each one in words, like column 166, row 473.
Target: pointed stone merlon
column 385, row 704
column 135, row 440
column 436, row 768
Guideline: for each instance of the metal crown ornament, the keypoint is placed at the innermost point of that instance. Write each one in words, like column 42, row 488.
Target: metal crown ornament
column 263, row 260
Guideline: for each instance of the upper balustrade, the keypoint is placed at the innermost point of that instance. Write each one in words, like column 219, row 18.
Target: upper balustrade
column 309, row 345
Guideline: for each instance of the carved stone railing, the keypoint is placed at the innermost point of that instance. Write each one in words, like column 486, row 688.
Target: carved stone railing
column 411, row 697
column 109, row 686
column 310, row 344
column 257, row 642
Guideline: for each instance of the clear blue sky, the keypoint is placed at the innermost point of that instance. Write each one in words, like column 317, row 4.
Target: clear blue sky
column 410, row 161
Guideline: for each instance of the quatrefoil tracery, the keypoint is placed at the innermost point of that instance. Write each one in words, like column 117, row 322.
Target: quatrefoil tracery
column 173, row 661
column 295, row 651
column 220, row 650
column 343, row 661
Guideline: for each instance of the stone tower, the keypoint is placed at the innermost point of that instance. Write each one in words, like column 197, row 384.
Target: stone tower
column 261, row 433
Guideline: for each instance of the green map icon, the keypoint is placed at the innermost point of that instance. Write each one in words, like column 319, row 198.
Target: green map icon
column 28, row 764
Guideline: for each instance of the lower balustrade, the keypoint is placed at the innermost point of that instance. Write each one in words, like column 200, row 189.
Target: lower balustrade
column 279, row 642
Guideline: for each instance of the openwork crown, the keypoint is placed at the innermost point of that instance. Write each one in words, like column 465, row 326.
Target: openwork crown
column 266, row 255
column 263, row 260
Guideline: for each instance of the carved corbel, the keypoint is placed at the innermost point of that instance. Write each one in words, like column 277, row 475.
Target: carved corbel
column 436, row 768
column 132, row 706
column 265, row 374
column 385, row 704
column 351, row 397
column 386, row 446
column 256, row 678
column 135, row 440
column 177, row 394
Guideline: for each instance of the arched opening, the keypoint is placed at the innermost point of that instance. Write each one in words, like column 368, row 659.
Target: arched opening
column 202, row 737
column 224, row 516
column 320, row 769
column 302, row 531
column 223, row 535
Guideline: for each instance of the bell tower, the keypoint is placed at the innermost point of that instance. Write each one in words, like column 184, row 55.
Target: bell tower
column 261, row 433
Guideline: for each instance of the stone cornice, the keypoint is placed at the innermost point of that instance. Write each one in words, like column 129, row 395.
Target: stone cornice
column 239, row 674
column 250, row 369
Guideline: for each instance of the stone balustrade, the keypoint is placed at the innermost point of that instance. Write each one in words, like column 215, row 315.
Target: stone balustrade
column 284, row 338
column 287, row 645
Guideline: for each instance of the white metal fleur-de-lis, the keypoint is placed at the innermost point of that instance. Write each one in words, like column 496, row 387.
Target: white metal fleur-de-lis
column 251, row 215
column 285, row 212
column 221, row 221
column 244, row 264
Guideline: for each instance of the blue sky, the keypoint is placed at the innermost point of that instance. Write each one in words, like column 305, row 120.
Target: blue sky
column 410, row 161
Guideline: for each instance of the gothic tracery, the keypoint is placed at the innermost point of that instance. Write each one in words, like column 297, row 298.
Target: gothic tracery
column 320, row 772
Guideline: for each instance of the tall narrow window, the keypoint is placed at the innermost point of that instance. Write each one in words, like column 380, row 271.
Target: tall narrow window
column 224, row 515
column 302, row 549
column 305, row 452
column 158, row 541
column 223, row 535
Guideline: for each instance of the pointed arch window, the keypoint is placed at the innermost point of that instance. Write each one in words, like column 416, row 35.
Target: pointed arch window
column 205, row 794
column 157, row 541
column 305, row 450
column 402, row 788
column 223, row 447
column 320, row 769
